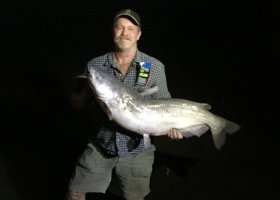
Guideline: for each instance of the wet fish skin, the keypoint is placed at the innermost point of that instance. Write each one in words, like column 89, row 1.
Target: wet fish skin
column 155, row 117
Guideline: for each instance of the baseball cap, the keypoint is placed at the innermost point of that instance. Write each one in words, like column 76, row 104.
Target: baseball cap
column 130, row 14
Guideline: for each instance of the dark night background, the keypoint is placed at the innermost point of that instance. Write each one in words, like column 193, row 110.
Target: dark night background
column 221, row 52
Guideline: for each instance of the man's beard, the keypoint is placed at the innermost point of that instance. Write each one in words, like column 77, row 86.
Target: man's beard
column 121, row 43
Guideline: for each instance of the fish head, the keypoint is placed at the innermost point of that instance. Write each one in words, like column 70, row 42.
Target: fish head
column 102, row 84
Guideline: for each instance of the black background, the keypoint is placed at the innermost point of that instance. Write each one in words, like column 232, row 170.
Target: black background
column 221, row 52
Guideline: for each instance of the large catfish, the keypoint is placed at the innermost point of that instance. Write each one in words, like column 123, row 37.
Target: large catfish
column 151, row 116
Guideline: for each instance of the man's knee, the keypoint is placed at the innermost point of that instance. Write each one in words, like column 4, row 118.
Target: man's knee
column 75, row 195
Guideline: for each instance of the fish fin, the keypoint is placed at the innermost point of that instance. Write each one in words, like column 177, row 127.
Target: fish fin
column 150, row 91
column 107, row 110
column 109, row 114
column 147, row 140
column 196, row 130
column 206, row 106
column 232, row 127
column 219, row 135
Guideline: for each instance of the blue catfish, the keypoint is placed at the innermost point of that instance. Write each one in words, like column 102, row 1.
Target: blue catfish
column 154, row 117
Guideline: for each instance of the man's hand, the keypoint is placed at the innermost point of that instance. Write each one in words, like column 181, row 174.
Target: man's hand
column 175, row 134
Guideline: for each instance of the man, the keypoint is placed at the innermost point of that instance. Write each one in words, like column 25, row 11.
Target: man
column 116, row 159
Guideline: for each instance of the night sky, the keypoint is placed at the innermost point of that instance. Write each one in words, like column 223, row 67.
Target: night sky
column 225, row 53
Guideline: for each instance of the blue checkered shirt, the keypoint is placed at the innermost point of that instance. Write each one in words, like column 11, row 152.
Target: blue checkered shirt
column 113, row 139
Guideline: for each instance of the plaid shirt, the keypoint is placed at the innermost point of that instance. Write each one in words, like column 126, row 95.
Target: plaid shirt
column 113, row 139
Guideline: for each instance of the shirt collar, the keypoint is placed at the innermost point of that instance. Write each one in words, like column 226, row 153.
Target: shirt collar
column 110, row 60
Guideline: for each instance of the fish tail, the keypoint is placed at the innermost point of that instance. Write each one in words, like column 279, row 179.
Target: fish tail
column 219, row 134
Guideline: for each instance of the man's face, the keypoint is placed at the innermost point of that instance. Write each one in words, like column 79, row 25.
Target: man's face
column 125, row 34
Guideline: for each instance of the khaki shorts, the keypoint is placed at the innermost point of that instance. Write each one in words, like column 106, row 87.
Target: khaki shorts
column 127, row 176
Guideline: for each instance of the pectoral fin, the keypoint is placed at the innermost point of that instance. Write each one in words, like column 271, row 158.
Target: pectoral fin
column 147, row 140
column 109, row 114
column 106, row 110
column 150, row 91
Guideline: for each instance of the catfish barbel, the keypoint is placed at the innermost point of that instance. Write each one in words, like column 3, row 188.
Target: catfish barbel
column 155, row 117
